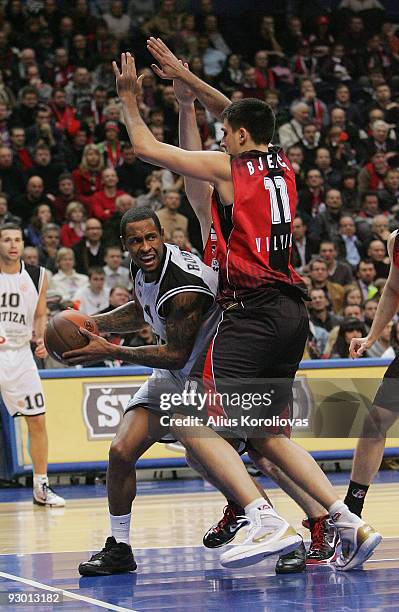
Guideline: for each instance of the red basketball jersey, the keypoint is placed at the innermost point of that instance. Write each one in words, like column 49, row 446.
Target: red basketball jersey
column 215, row 250
column 396, row 251
column 259, row 245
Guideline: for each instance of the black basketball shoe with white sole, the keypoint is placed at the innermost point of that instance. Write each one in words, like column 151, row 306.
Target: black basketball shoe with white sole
column 114, row 558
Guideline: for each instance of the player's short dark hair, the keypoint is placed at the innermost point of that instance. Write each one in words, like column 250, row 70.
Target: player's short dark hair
column 256, row 116
column 138, row 214
column 10, row 226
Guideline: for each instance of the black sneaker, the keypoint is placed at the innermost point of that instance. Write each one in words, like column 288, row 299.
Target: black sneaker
column 114, row 558
column 226, row 529
column 292, row 562
column 324, row 540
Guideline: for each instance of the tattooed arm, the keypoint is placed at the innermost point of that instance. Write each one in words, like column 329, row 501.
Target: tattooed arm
column 183, row 322
column 122, row 320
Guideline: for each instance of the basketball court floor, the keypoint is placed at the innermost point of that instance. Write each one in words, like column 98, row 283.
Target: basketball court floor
column 41, row 549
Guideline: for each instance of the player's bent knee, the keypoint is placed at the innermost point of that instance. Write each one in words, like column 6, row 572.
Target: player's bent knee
column 121, row 452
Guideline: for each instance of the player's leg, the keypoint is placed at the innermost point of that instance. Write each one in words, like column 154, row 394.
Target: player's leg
column 324, row 536
column 283, row 341
column 138, row 431
column 225, row 530
column 368, row 456
column 370, row 447
column 23, row 395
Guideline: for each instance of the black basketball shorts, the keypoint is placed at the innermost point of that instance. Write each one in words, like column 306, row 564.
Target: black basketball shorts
column 247, row 372
column 388, row 392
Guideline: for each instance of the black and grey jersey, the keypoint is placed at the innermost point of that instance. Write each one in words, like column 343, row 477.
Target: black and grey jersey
column 182, row 272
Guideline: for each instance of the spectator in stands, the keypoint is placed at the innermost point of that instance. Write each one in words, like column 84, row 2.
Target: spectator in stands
column 349, row 329
column 31, row 256
column 132, row 173
column 180, row 238
column 21, row 152
column 393, row 349
column 343, row 100
column 376, row 252
column 67, row 281
column 12, row 179
column 112, row 227
column 73, row 230
column 115, row 274
column 5, row 215
column 94, row 297
column 87, row 177
column 64, row 195
column 303, row 248
column 331, row 176
column 292, row 132
column 389, row 196
column 62, row 72
column 5, row 138
column 213, row 59
column 34, row 194
column 352, row 296
column 326, row 224
column 369, row 209
column 304, row 64
column 318, row 273
column 370, row 308
column 380, row 141
column 320, row 314
column 78, row 91
column 89, row 252
column 295, row 155
column 64, row 114
column 110, row 148
column 353, row 310
column 169, row 216
column 103, row 201
column 73, row 149
column 318, row 112
column 338, row 271
column 384, row 101
column 349, row 247
column 232, row 76
column 380, row 230
column 349, row 191
column 49, row 247
column 24, row 113
column 372, row 175
column 366, row 275
column 44, row 167
column 321, row 39
column 338, row 67
column 42, row 215
column 44, row 132
column 382, row 343
column 312, row 199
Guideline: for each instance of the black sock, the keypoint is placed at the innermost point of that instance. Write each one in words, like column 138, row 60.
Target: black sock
column 355, row 497
column 237, row 509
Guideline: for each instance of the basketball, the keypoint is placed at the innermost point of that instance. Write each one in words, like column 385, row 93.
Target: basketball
column 62, row 333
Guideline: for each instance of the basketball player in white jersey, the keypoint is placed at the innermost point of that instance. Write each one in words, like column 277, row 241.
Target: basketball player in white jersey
column 22, row 312
column 175, row 294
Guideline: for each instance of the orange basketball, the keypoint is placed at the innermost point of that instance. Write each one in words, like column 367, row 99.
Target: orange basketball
column 62, row 333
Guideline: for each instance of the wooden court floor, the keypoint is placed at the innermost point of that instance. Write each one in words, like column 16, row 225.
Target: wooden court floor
column 41, row 548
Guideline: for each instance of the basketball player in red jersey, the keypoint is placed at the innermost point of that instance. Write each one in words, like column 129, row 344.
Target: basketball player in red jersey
column 204, row 201
column 265, row 326
column 385, row 409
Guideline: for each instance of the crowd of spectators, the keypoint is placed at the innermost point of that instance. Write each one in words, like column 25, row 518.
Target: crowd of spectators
column 68, row 171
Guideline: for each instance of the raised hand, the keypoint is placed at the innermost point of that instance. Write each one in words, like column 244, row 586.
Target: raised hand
column 183, row 93
column 127, row 82
column 171, row 67
column 358, row 347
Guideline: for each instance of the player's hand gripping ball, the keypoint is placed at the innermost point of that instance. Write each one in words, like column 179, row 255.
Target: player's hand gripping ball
column 62, row 333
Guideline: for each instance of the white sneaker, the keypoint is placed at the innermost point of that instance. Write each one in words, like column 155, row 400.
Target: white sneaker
column 358, row 542
column 43, row 495
column 268, row 534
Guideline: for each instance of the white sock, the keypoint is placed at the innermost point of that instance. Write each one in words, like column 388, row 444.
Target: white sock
column 120, row 527
column 339, row 512
column 40, row 479
column 261, row 504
